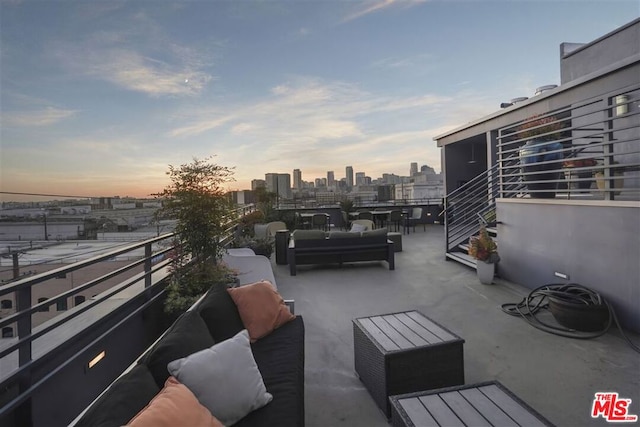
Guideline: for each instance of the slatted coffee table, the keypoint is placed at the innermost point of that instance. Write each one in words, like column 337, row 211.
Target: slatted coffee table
column 484, row 404
column 405, row 352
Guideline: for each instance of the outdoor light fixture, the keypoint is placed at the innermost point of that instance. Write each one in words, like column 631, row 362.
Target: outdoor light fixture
column 622, row 106
column 473, row 157
column 93, row 362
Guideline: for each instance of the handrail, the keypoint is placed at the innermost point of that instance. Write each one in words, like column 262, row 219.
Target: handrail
column 152, row 263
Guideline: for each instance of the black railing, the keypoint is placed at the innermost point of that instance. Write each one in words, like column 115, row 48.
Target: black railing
column 143, row 276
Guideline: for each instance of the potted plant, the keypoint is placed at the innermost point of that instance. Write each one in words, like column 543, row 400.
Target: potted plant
column 540, row 154
column 485, row 251
column 569, row 174
column 196, row 199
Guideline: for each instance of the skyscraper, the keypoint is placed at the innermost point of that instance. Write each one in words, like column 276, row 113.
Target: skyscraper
column 360, row 178
column 279, row 183
column 414, row 169
column 349, row 176
column 330, row 179
column 297, row 179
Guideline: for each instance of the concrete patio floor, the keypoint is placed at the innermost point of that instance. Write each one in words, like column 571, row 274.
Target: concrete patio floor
column 556, row 376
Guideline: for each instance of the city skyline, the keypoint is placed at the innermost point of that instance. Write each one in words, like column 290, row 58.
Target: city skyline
column 99, row 98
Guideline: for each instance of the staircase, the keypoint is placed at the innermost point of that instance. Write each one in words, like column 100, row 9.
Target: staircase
column 471, row 205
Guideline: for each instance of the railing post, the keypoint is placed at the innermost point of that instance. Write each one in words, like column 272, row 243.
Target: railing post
column 147, row 265
column 23, row 302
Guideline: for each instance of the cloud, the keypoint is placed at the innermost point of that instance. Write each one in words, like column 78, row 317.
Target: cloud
column 157, row 66
column 41, row 117
column 379, row 5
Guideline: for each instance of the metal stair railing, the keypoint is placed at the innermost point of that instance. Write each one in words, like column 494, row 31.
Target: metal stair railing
column 463, row 206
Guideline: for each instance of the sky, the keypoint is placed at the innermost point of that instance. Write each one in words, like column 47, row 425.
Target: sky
column 98, row 98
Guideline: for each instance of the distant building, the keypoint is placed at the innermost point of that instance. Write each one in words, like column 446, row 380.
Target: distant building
column 349, row 176
column 257, row 183
column 243, row 197
column 331, row 181
column 360, row 178
column 279, row 183
column 297, row 179
column 413, row 169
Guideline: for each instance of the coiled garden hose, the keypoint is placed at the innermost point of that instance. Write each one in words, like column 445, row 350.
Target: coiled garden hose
column 571, row 293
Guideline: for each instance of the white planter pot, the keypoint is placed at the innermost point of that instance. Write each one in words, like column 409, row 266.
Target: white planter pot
column 486, row 272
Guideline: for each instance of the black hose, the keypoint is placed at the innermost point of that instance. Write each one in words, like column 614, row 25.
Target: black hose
column 538, row 299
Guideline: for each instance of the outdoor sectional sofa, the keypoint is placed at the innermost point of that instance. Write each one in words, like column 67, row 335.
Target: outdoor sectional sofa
column 319, row 247
column 216, row 318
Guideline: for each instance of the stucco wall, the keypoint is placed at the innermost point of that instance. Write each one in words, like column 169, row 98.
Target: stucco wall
column 609, row 49
column 597, row 246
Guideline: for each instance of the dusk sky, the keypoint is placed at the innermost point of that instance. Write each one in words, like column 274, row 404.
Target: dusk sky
column 98, row 98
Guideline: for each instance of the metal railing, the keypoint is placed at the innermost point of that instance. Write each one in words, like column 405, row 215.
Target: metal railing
column 154, row 265
column 594, row 155
column 463, row 205
column 586, row 151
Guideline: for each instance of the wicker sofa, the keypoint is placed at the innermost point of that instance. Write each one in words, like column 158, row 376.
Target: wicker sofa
column 338, row 247
column 279, row 357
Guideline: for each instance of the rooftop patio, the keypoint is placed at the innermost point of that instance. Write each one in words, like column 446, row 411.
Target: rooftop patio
column 557, row 376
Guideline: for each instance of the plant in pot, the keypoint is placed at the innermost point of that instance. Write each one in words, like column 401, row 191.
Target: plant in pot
column 485, row 251
column 540, row 155
column 196, row 199
column 570, row 173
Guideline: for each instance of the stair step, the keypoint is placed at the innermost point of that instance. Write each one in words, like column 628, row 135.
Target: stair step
column 462, row 258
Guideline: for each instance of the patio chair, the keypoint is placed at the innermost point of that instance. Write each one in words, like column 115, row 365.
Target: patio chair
column 416, row 215
column 320, row 221
column 364, row 222
column 345, row 221
column 395, row 217
column 274, row 226
column 365, row 215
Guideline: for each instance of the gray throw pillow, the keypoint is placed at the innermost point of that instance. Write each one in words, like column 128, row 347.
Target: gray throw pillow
column 224, row 378
column 358, row 228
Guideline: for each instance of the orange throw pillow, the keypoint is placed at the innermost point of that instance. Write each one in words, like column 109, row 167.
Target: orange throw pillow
column 261, row 308
column 175, row 405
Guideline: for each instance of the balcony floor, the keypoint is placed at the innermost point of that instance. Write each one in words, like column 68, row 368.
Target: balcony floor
column 556, row 376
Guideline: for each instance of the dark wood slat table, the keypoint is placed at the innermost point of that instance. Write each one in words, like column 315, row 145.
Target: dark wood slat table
column 476, row 405
column 405, row 352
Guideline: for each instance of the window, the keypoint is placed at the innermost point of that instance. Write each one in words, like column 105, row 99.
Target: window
column 61, row 276
column 78, row 299
column 61, row 305
column 43, row 300
column 6, row 304
column 7, row 332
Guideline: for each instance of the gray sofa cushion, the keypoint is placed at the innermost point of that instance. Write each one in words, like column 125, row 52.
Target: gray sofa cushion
column 308, row 235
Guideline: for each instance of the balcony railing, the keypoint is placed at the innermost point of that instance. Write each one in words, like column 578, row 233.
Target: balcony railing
column 596, row 154
column 141, row 282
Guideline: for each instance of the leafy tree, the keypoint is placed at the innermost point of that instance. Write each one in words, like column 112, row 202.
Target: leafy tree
column 196, row 199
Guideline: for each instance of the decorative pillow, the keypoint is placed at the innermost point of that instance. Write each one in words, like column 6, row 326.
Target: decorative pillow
column 175, row 405
column 358, row 228
column 224, row 378
column 261, row 308
column 220, row 314
column 187, row 335
column 122, row 400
